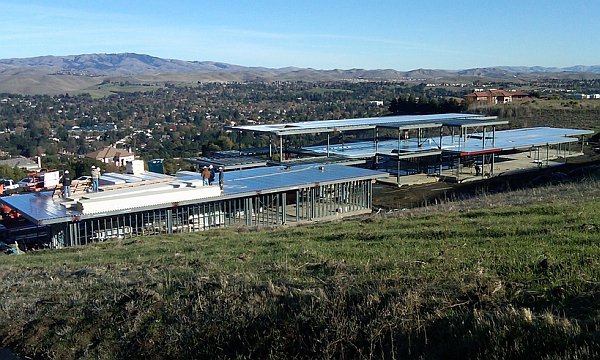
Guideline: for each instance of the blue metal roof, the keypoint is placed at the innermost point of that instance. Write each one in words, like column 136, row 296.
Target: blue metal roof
column 278, row 178
column 41, row 208
column 517, row 139
column 38, row 206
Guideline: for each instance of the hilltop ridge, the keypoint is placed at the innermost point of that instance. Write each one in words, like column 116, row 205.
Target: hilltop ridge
column 132, row 63
column 59, row 74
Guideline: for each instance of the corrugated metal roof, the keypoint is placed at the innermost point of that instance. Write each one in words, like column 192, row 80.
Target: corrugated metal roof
column 38, row 206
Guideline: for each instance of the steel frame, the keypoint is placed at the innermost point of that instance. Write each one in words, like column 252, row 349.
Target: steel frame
column 318, row 202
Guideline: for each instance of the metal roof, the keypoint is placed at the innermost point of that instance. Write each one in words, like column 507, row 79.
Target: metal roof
column 517, row 139
column 41, row 208
column 397, row 121
column 450, row 122
column 281, row 178
column 38, row 206
column 504, row 140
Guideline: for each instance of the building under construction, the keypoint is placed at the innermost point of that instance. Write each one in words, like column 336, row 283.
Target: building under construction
column 279, row 184
column 266, row 196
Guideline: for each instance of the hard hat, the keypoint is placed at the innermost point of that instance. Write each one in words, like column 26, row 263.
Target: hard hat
column 66, row 171
column 93, row 167
column 210, row 167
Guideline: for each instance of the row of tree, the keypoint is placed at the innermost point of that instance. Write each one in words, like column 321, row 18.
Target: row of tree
column 178, row 121
column 408, row 104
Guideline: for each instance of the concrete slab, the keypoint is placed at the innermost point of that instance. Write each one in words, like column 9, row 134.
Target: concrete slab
column 523, row 161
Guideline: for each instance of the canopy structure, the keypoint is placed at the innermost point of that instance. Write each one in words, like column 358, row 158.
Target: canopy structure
column 471, row 144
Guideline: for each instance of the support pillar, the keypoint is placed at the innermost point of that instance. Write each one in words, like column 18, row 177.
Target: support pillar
column 280, row 148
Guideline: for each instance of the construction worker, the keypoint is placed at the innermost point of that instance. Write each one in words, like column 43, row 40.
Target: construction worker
column 220, row 173
column 95, row 173
column 66, row 184
column 211, row 171
column 205, row 175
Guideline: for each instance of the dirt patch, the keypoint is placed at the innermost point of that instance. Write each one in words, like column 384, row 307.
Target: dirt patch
column 407, row 197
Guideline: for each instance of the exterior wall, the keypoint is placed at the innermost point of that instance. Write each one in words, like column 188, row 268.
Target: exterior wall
column 319, row 202
column 494, row 99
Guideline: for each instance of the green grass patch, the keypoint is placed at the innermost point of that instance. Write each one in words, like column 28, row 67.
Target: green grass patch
column 106, row 89
column 423, row 285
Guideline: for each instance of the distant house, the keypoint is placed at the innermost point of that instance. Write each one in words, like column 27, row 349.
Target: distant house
column 22, row 162
column 112, row 155
column 497, row 96
column 582, row 96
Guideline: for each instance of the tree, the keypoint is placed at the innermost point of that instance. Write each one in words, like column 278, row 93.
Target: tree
column 7, row 172
column 225, row 143
column 15, row 173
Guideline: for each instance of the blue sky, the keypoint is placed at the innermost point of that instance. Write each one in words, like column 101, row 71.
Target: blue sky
column 401, row 35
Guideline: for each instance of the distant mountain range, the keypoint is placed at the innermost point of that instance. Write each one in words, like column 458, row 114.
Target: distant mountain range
column 135, row 64
column 118, row 64
column 45, row 74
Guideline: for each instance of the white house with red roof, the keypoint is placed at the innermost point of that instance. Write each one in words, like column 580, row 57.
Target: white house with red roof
column 494, row 96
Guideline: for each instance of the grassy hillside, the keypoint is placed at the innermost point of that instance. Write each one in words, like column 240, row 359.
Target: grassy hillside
column 513, row 275
column 45, row 84
column 105, row 89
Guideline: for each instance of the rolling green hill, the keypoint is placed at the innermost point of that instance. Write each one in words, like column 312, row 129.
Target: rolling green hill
column 506, row 276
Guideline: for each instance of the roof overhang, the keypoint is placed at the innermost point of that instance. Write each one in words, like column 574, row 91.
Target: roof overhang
column 479, row 152
column 332, row 126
